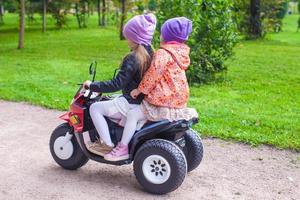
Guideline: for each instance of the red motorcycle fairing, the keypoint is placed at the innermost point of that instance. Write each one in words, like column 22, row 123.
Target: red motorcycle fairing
column 75, row 117
column 65, row 117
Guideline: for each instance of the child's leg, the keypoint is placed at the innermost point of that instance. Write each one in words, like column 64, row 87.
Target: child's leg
column 121, row 151
column 98, row 111
column 133, row 117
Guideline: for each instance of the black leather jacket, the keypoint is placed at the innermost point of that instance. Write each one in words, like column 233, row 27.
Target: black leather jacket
column 127, row 79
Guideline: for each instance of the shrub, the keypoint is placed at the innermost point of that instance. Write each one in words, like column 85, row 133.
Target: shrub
column 273, row 11
column 59, row 10
column 212, row 41
column 213, row 36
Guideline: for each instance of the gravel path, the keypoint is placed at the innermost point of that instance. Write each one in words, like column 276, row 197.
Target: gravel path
column 228, row 171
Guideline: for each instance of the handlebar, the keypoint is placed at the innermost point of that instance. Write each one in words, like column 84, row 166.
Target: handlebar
column 83, row 89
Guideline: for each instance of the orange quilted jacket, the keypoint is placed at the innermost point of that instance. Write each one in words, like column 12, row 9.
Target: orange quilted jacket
column 165, row 83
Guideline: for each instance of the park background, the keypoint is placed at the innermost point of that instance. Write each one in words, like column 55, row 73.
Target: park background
column 245, row 73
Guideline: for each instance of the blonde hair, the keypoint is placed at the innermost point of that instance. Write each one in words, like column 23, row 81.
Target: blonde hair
column 143, row 57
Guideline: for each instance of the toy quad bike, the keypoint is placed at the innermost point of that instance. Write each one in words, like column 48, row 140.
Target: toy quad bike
column 163, row 152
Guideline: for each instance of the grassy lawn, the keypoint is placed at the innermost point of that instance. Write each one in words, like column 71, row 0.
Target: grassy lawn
column 258, row 104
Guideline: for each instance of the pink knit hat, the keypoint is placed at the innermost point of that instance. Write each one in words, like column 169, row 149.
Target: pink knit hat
column 140, row 29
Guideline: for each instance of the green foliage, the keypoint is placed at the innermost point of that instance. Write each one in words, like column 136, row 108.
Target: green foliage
column 299, row 6
column 152, row 5
column 240, row 15
column 140, row 6
column 10, row 5
column 213, row 36
column 32, row 7
column 212, row 41
column 59, row 10
column 283, row 10
column 81, row 12
column 272, row 13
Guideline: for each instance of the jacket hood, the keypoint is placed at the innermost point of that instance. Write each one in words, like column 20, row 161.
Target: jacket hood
column 180, row 53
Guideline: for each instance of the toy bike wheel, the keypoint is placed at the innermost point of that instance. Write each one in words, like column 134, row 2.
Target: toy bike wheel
column 193, row 149
column 160, row 166
column 64, row 148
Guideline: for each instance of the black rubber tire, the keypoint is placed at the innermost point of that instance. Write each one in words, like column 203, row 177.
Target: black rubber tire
column 193, row 149
column 169, row 151
column 78, row 159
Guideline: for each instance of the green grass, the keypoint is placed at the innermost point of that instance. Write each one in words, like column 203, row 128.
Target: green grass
column 258, row 104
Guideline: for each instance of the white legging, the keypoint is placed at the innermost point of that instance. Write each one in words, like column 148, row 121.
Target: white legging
column 107, row 108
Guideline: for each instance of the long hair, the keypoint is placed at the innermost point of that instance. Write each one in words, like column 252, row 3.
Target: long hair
column 143, row 57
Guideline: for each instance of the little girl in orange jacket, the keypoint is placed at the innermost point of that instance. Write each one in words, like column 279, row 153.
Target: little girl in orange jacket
column 165, row 84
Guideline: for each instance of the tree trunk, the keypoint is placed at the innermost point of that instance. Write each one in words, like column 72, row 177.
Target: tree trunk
column 22, row 24
column 298, row 23
column 91, row 9
column 255, row 29
column 122, row 20
column 88, row 8
column 108, row 13
column 99, row 12
column 1, row 12
column 77, row 15
column 83, row 14
column 44, row 15
column 103, row 13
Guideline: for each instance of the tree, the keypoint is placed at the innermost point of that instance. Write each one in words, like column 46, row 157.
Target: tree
column 1, row 12
column 103, row 13
column 269, row 16
column 21, row 24
column 255, row 29
column 80, row 12
column 299, row 17
column 108, row 12
column 123, row 16
column 99, row 12
column 59, row 10
column 44, row 15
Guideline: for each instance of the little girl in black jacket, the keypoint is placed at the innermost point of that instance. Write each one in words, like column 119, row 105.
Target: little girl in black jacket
column 139, row 33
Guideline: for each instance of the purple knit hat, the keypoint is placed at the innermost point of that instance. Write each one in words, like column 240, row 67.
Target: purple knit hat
column 140, row 29
column 176, row 29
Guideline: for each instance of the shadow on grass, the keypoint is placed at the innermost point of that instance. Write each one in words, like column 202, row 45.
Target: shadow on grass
column 54, row 29
column 270, row 42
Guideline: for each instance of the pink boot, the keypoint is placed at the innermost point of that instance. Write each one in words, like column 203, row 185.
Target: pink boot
column 120, row 152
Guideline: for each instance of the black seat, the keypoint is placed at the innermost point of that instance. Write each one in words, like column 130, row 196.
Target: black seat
column 151, row 124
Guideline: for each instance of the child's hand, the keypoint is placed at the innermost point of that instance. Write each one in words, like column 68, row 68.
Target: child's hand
column 135, row 93
column 87, row 84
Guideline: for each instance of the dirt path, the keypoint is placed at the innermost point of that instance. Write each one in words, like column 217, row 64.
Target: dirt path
column 228, row 171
